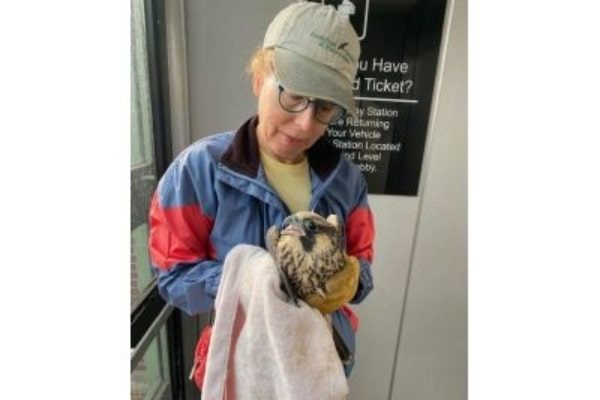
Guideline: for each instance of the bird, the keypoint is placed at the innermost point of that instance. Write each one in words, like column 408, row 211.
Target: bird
column 308, row 250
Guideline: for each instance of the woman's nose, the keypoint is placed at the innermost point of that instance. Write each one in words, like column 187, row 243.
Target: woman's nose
column 306, row 119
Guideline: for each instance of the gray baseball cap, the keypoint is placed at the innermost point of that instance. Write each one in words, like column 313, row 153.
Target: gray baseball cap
column 316, row 52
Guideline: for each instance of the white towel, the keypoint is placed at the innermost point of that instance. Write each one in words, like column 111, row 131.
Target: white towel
column 263, row 347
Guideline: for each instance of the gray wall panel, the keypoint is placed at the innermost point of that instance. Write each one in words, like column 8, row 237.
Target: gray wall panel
column 379, row 314
column 222, row 35
column 432, row 361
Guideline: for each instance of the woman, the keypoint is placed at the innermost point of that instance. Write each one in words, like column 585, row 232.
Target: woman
column 230, row 188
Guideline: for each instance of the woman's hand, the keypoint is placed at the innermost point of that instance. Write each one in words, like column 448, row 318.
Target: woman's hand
column 340, row 288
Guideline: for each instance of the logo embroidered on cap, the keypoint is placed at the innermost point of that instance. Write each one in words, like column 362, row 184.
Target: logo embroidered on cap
column 334, row 48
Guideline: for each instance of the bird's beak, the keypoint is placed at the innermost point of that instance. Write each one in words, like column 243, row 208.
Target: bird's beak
column 293, row 230
column 294, row 227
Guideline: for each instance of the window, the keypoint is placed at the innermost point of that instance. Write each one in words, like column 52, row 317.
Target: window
column 150, row 378
column 143, row 167
column 156, row 366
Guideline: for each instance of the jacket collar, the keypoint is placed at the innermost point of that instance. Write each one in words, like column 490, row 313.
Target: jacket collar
column 243, row 156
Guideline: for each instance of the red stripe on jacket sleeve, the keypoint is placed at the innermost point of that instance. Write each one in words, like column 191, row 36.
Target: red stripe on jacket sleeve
column 360, row 233
column 179, row 235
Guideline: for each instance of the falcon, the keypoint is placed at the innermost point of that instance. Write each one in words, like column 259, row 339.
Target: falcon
column 308, row 251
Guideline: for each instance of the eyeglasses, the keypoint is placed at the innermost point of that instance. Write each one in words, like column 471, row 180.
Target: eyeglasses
column 326, row 112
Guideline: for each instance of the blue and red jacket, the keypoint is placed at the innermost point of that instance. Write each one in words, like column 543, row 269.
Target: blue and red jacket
column 215, row 195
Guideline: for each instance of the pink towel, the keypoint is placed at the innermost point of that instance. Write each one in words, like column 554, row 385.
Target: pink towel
column 263, row 347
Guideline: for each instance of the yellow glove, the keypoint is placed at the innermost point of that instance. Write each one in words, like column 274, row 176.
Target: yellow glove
column 340, row 288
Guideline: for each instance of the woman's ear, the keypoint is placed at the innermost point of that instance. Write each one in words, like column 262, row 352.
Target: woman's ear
column 258, row 80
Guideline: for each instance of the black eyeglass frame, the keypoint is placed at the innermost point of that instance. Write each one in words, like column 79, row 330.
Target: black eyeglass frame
column 337, row 115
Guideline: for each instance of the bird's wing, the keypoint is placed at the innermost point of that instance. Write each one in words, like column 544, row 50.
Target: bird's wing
column 271, row 241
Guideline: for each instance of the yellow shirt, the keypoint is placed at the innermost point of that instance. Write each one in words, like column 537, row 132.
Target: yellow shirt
column 290, row 181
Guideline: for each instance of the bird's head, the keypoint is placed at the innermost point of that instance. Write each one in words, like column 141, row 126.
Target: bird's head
column 312, row 230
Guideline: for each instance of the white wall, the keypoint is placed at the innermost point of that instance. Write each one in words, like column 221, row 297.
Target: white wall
column 412, row 339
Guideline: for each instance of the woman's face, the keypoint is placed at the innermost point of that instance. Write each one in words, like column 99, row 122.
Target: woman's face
column 283, row 135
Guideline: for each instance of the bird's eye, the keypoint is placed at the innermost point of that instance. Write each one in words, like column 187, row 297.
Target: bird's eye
column 310, row 226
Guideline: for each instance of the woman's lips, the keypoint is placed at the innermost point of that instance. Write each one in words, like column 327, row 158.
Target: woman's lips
column 292, row 140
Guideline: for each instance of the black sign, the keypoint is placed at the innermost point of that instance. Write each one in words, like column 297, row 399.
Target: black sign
column 400, row 43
